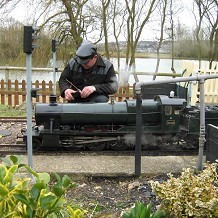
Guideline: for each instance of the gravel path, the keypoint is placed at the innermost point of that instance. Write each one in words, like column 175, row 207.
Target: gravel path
column 12, row 130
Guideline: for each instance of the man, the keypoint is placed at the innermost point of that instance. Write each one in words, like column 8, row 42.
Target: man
column 88, row 77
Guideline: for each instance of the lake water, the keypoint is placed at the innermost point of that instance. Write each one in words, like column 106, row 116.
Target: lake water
column 142, row 65
column 148, row 65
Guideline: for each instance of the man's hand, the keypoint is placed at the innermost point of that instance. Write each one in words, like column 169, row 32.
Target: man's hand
column 68, row 94
column 87, row 90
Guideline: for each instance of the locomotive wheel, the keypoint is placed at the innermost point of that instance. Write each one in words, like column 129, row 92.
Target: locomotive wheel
column 37, row 144
column 191, row 141
column 119, row 146
column 98, row 146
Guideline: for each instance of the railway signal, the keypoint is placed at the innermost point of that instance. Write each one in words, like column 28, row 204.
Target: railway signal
column 54, row 45
column 30, row 41
column 31, row 37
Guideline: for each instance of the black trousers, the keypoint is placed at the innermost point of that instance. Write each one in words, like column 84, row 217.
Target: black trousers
column 99, row 99
column 94, row 99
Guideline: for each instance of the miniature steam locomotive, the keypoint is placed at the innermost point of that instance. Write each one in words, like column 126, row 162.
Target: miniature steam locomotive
column 97, row 126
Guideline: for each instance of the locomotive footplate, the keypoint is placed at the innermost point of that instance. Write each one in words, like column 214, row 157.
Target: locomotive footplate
column 83, row 133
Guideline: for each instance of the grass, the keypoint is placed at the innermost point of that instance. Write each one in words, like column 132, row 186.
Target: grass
column 8, row 111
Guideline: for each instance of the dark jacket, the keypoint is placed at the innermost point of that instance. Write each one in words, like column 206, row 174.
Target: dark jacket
column 101, row 75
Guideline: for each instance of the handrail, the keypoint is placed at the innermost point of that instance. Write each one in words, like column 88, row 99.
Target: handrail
column 184, row 79
column 138, row 95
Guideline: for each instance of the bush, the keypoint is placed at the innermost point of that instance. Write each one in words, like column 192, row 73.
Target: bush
column 140, row 210
column 21, row 197
column 191, row 194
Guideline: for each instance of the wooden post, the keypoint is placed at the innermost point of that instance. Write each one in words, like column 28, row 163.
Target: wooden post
column 37, row 87
column 43, row 91
column 2, row 89
column 9, row 94
column 23, row 91
column 16, row 96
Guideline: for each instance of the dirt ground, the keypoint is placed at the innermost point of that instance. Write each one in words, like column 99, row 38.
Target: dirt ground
column 104, row 197
column 9, row 132
column 109, row 197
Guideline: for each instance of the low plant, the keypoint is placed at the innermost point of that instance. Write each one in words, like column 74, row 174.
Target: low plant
column 191, row 194
column 8, row 111
column 140, row 210
column 22, row 197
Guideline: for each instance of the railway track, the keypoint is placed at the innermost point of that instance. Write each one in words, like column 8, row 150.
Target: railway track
column 8, row 149
column 13, row 119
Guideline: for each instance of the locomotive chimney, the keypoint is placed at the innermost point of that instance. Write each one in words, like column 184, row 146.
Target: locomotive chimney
column 52, row 99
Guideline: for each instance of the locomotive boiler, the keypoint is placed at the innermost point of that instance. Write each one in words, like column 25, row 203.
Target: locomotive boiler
column 97, row 126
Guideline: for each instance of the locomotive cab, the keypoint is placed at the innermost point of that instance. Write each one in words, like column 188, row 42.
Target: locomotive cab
column 170, row 112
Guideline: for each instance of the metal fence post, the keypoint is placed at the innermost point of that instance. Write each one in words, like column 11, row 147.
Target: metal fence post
column 202, row 127
column 29, row 109
column 138, row 132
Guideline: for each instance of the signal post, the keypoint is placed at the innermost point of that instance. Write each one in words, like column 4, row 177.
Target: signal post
column 29, row 43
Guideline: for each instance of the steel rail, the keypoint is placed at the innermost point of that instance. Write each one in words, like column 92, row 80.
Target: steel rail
column 14, row 119
column 12, row 145
column 9, row 152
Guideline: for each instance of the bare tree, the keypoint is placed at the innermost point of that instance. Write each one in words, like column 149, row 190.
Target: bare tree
column 172, row 36
column 163, row 10
column 75, row 20
column 105, row 4
column 207, row 15
column 202, row 10
column 139, row 12
column 118, row 14
column 12, row 3
column 67, row 19
column 3, row 3
column 216, row 46
column 212, row 17
column 6, row 7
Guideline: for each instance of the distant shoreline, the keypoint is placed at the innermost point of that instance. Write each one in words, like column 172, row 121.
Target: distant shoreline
column 153, row 55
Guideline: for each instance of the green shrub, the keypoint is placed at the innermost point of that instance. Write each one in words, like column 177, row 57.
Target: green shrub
column 191, row 194
column 140, row 210
column 21, row 197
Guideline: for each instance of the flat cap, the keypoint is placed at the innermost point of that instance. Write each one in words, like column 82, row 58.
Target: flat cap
column 85, row 52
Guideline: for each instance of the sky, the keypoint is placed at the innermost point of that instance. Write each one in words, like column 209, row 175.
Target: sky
column 22, row 12
column 185, row 17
